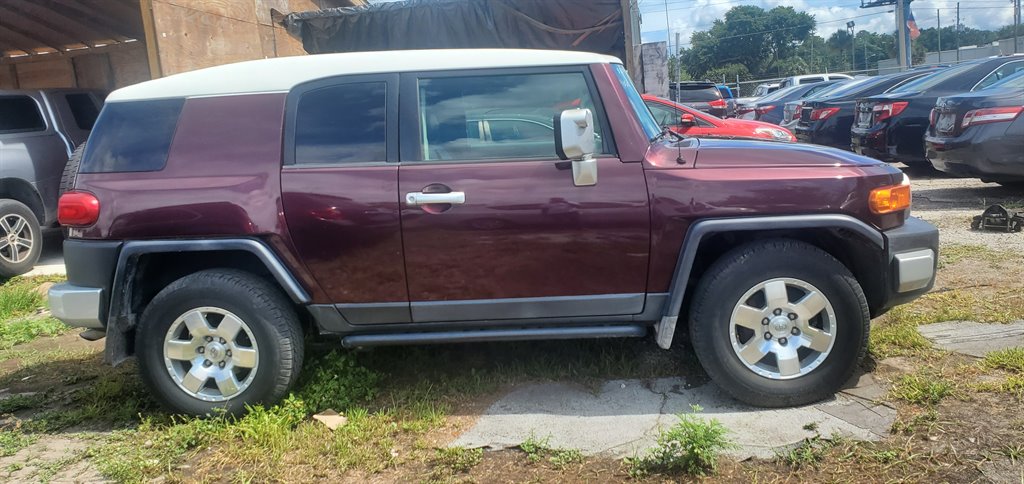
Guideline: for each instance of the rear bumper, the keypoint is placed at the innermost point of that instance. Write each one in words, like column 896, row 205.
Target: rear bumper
column 871, row 142
column 84, row 300
column 913, row 252
column 984, row 152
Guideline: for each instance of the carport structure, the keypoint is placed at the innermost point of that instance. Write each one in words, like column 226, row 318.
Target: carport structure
column 106, row 44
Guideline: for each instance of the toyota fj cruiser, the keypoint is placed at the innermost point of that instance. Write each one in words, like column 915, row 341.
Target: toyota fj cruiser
column 441, row 196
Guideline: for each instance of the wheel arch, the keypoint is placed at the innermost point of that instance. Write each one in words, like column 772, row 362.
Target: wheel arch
column 23, row 191
column 849, row 240
column 144, row 268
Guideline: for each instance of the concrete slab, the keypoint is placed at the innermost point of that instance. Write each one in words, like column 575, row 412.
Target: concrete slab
column 624, row 417
column 51, row 260
column 974, row 339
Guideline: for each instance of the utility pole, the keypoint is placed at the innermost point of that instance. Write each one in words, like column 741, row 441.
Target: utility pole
column 853, row 44
column 679, row 64
column 902, row 36
column 668, row 48
column 938, row 20
column 1016, row 26
column 957, row 30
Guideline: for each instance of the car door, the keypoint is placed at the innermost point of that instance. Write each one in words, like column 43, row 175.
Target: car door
column 492, row 225
column 339, row 187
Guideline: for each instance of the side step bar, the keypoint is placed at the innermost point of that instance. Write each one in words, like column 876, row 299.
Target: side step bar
column 521, row 334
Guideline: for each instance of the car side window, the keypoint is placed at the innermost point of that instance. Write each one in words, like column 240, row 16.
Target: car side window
column 1002, row 72
column 342, row 124
column 665, row 116
column 812, row 80
column 20, row 114
column 497, row 116
column 83, row 109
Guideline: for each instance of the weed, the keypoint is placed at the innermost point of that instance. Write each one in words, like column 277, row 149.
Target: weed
column 692, row 446
column 897, row 334
column 923, row 387
column 1010, row 359
column 14, row 403
column 457, row 459
column 336, row 381
column 367, row 441
column 18, row 331
column 18, row 297
column 11, row 441
column 537, row 450
column 1013, row 452
column 952, row 253
column 928, row 419
column 152, row 449
column 811, row 426
column 562, row 458
column 809, row 453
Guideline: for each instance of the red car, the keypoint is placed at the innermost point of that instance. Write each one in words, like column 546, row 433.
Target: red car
column 704, row 125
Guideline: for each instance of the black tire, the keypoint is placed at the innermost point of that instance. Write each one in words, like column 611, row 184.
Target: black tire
column 743, row 269
column 67, row 178
column 12, row 264
column 268, row 314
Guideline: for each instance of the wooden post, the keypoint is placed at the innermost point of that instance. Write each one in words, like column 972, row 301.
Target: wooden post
column 152, row 47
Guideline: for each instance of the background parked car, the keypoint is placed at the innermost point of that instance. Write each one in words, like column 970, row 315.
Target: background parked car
column 39, row 130
column 811, row 79
column 891, row 126
column 704, row 125
column 761, row 90
column 791, row 110
column 769, row 108
column 980, row 134
column 703, row 96
column 730, row 100
column 827, row 119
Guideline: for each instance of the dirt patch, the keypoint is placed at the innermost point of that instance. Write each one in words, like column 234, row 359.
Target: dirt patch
column 50, row 458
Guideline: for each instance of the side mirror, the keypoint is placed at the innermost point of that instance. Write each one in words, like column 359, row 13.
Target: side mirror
column 574, row 140
column 687, row 120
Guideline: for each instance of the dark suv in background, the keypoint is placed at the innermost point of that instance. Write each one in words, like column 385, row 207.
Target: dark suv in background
column 826, row 119
column 891, row 126
column 224, row 215
column 771, row 108
column 39, row 130
column 702, row 96
column 980, row 134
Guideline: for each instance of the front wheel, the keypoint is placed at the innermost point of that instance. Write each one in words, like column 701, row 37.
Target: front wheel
column 779, row 323
column 219, row 339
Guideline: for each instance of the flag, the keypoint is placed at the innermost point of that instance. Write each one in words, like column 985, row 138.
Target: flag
column 912, row 24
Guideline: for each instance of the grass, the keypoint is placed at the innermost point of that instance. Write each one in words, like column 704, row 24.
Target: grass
column 925, row 387
column 951, row 254
column 20, row 301
column 692, row 447
column 11, row 441
column 810, row 452
column 1010, row 359
column 538, row 450
column 453, row 460
column 17, row 402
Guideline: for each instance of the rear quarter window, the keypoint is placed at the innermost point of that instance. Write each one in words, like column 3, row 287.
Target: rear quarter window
column 83, row 109
column 20, row 114
column 699, row 94
column 132, row 136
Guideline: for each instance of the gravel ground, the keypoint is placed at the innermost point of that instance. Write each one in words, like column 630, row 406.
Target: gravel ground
column 951, row 203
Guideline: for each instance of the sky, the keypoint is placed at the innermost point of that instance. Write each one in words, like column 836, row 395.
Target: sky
column 688, row 16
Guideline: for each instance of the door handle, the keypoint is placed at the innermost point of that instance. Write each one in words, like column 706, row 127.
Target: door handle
column 416, row 199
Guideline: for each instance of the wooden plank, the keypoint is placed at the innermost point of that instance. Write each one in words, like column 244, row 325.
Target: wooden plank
column 55, row 19
column 57, row 72
column 285, row 45
column 21, row 41
column 244, row 10
column 267, row 42
column 129, row 66
column 263, row 10
column 25, row 25
column 189, row 39
column 8, row 77
column 93, row 71
column 131, row 29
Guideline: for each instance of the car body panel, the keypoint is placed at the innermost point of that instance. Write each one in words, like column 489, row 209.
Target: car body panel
column 711, row 126
column 990, row 151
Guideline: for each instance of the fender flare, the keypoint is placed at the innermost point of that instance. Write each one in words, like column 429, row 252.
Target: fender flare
column 699, row 230
column 120, row 319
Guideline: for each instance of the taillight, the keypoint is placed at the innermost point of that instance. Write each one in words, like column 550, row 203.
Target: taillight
column 78, row 209
column 887, row 110
column 933, row 116
column 822, row 114
column 718, row 103
column 890, row 199
column 764, row 109
column 991, row 115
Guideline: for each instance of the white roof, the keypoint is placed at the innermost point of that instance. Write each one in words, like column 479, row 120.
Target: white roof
column 283, row 73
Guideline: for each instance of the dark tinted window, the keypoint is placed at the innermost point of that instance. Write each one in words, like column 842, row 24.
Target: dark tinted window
column 665, row 115
column 342, row 124
column 20, row 114
column 514, row 113
column 1002, row 72
column 132, row 136
column 83, row 109
column 811, row 80
column 697, row 94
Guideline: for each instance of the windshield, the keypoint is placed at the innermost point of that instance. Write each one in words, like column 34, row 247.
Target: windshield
column 1015, row 81
column 647, row 121
column 845, row 88
column 781, row 93
column 928, row 82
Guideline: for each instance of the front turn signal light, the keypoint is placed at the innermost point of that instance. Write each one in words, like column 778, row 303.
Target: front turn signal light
column 890, row 199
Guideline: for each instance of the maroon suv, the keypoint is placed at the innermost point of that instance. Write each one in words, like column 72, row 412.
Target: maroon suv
column 394, row 198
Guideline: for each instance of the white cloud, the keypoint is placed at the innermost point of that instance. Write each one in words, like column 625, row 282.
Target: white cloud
column 688, row 16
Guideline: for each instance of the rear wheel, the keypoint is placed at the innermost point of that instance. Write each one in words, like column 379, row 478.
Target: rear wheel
column 20, row 238
column 779, row 323
column 219, row 339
